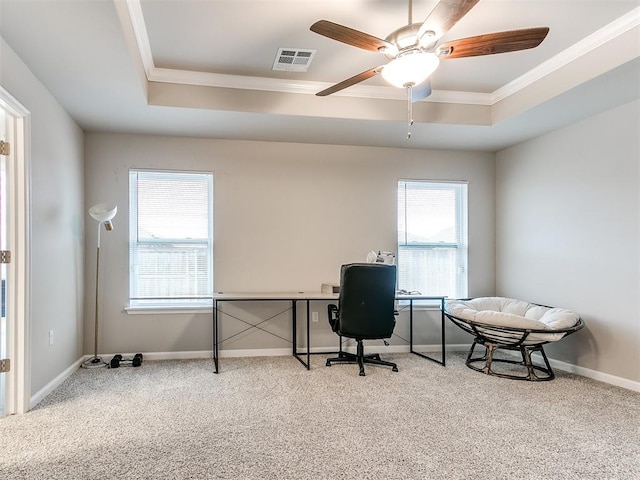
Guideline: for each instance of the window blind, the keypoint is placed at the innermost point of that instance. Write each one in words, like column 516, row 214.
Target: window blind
column 432, row 237
column 171, row 237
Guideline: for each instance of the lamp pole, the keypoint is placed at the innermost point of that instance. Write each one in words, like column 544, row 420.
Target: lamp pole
column 103, row 215
column 95, row 340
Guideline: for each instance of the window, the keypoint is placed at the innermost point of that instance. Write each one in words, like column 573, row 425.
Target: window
column 170, row 238
column 432, row 238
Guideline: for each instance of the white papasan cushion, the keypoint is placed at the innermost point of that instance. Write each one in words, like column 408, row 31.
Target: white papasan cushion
column 512, row 313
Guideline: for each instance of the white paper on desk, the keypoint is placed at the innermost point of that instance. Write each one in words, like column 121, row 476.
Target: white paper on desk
column 381, row 257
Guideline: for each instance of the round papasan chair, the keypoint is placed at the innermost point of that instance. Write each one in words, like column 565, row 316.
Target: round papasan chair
column 510, row 324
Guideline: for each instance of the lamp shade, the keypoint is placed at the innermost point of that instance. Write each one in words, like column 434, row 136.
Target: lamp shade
column 410, row 69
column 103, row 212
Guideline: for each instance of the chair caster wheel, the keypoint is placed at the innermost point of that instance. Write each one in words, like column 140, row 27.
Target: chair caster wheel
column 394, row 369
column 328, row 364
column 362, row 373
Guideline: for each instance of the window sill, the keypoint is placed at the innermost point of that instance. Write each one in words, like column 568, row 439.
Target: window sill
column 167, row 310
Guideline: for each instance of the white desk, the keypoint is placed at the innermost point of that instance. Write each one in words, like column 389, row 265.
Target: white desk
column 307, row 297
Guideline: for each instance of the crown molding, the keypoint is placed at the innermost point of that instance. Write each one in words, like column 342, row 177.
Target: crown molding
column 142, row 37
column 581, row 48
column 209, row 79
column 165, row 75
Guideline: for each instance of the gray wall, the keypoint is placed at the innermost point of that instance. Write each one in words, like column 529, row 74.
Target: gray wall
column 567, row 217
column 286, row 217
column 57, row 222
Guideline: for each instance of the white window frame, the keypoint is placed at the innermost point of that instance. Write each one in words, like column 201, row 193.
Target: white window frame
column 180, row 304
column 460, row 245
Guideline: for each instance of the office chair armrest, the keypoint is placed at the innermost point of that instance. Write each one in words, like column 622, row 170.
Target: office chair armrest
column 333, row 314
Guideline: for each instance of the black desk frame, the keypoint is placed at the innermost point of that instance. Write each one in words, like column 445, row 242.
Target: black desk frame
column 294, row 298
column 442, row 360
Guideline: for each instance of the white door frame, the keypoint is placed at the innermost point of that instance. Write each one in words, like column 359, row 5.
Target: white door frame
column 18, row 381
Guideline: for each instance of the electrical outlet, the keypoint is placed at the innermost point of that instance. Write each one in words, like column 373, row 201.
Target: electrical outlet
column 50, row 337
column 314, row 317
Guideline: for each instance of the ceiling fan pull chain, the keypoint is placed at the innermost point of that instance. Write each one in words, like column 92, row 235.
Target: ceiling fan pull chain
column 409, row 110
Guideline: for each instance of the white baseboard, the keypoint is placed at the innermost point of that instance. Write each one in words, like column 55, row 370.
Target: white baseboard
column 273, row 352
column 393, row 348
column 283, row 352
column 55, row 383
column 188, row 355
column 595, row 375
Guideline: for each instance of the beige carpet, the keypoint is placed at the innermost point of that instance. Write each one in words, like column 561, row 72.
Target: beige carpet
column 269, row 418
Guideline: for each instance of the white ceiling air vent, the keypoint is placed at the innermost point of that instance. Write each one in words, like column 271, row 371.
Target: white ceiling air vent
column 293, row 60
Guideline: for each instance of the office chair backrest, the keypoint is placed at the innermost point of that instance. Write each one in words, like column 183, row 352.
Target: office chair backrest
column 367, row 300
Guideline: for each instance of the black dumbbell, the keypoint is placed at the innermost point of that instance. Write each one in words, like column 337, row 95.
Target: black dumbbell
column 115, row 361
column 118, row 361
column 137, row 360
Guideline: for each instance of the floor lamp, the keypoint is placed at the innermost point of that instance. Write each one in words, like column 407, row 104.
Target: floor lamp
column 103, row 213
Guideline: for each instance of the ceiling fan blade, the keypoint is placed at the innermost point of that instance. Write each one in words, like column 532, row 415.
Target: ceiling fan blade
column 361, row 77
column 420, row 92
column 444, row 16
column 350, row 36
column 492, row 43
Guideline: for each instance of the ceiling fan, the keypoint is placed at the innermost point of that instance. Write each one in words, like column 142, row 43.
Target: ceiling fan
column 414, row 51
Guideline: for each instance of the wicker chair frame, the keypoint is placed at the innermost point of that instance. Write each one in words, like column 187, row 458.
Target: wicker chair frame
column 494, row 337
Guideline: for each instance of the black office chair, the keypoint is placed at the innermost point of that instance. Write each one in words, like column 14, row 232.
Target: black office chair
column 365, row 311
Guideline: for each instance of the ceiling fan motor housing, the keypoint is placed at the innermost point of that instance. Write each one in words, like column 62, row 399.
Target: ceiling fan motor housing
column 406, row 39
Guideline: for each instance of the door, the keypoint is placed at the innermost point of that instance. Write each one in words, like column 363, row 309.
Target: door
column 4, row 327
column 14, row 240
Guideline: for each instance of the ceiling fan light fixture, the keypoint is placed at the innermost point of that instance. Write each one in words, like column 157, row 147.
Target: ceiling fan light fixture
column 410, row 69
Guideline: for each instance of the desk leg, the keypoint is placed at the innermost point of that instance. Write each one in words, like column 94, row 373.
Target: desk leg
column 442, row 326
column 442, row 361
column 308, row 340
column 411, row 326
column 294, row 332
column 215, row 336
column 294, row 340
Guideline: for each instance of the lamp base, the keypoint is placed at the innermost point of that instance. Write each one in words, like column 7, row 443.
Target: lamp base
column 94, row 362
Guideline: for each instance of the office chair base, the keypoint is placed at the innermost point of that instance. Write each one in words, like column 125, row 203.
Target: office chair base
column 361, row 359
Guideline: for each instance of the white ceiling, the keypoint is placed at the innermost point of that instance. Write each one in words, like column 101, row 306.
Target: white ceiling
column 204, row 68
